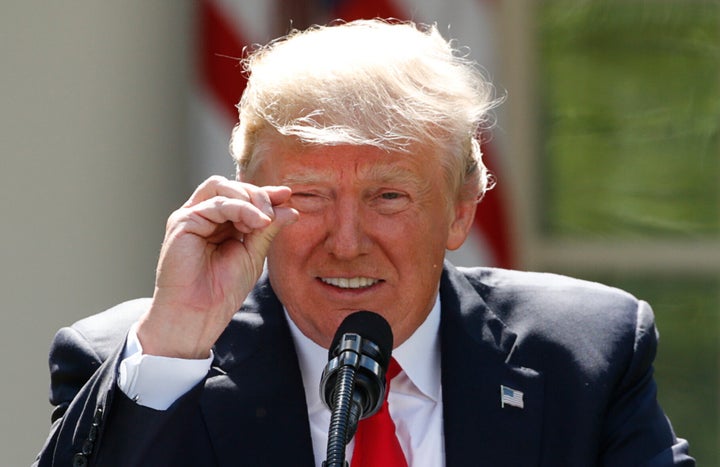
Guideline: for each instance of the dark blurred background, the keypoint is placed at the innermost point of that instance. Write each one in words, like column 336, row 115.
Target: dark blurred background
column 606, row 151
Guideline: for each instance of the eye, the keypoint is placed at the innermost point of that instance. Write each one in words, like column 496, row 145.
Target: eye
column 390, row 202
column 308, row 202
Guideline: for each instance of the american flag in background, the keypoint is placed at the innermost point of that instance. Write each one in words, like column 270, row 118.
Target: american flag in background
column 225, row 27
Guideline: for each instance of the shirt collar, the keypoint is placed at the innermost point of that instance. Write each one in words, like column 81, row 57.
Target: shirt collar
column 419, row 357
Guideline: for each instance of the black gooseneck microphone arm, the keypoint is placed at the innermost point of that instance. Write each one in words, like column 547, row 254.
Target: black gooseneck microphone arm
column 353, row 381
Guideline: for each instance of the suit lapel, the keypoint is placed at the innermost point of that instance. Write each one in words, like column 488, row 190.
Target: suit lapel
column 254, row 401
column 476, row 361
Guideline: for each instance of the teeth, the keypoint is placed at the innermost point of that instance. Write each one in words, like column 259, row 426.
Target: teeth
column 349, row 283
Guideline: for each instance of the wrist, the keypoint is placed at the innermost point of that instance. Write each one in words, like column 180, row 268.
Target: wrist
column 163, row 339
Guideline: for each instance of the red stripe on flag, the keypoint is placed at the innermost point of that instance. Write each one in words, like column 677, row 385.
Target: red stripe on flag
column 220, row 49
column 368, row 9
column 491, row 218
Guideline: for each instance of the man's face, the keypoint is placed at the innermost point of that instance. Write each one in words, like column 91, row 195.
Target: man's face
column 372, row 234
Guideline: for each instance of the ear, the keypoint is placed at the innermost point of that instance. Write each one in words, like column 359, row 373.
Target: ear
column 464, row 214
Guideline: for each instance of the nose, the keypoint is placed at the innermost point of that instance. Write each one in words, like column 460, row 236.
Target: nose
column 346, row 236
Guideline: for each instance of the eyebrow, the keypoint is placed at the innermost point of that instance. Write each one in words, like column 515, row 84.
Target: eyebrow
column 302, row 178
column 383, row 173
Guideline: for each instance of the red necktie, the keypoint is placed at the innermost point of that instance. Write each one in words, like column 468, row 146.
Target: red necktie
column 376, row 444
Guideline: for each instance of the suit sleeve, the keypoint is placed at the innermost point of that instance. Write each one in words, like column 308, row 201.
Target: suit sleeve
column 93, row 422
column 637, row 432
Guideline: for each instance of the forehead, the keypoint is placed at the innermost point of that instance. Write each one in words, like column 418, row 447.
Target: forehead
column 298, row 164
column 361, row 169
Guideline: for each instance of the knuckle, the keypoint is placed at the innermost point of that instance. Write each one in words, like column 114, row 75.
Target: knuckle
column 215, row 180
column 176, row 219
column 218, row 202
column 210, row 184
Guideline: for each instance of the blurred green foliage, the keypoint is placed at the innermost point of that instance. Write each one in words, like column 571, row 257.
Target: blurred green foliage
column 630, row 119
column 629, row 122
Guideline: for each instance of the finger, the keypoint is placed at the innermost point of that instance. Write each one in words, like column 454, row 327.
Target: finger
column 221, row 186
column 262, row 197
column 268, row 197
column 207, row 189
column 204, row 218
column 278, row 194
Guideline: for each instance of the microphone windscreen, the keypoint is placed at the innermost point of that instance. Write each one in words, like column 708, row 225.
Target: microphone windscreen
column 370, row 326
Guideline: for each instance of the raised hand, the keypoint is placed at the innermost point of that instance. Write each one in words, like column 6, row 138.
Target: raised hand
column 213, row 253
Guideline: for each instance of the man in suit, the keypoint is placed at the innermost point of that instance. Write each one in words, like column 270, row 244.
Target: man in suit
column 358, row 166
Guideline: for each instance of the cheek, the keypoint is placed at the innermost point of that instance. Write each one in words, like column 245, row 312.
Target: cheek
column 293, row 242
column 431, row 226
column 281, row 248
column 286, row 263
column 420, row 240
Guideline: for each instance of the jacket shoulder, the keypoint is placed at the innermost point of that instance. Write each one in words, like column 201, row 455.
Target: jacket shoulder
column 563, row 312
column 540, row 290
column 104, row 332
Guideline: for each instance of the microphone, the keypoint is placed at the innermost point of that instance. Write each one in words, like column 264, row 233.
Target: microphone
column 353, row 381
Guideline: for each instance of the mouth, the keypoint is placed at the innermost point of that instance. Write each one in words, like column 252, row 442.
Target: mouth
column 350, row 282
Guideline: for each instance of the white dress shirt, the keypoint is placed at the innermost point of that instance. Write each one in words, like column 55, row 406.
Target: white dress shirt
column 415, row 397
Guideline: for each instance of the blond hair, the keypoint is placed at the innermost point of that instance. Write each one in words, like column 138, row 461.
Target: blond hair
column 391, row 85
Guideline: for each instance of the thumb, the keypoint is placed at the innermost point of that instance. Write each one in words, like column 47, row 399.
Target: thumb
column 259, row 242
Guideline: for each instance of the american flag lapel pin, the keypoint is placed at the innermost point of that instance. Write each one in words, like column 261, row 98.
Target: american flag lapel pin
column 511, row 397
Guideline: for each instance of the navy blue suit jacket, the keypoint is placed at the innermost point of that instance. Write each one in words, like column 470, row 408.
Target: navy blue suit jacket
column 580, row 353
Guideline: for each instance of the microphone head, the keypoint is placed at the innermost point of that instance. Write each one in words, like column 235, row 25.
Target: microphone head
column 370, row 326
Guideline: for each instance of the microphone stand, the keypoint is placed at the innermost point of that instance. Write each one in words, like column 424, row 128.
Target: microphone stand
column 353, row 381
column 346, row 410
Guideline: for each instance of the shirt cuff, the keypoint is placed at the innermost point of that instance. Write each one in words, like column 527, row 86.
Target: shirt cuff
column 156, row 382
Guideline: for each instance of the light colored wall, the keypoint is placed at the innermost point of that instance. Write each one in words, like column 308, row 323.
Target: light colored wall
column 92, row 148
